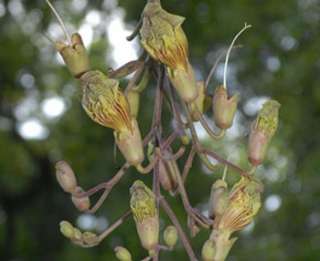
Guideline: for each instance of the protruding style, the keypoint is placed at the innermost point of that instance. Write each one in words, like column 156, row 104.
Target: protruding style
column 224, row 107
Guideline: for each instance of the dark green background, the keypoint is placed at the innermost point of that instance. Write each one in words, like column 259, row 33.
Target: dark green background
column 31, row 203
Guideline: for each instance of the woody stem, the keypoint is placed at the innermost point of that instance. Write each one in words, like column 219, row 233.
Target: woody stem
column 185, row 241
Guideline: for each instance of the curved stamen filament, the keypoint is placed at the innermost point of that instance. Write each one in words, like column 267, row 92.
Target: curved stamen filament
column 246, row 26
column 63, row 27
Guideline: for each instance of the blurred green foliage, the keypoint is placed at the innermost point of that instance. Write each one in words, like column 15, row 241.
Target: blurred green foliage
column 280, row 58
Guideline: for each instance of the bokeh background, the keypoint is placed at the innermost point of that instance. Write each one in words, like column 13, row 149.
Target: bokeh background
column 41, row 121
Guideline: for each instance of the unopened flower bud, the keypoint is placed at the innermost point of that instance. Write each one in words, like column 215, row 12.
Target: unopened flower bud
column 67, row 229
column 90, row 238
column 170, row 236
column 197, row 106
column 185, row 139
column 168, row 171
column 77, row 235
column 133, row 94
column 81, row 203
column 130, row 144
column 134, row 102
column 219, row 199
column 65, row 176
column 224, row 108
column 262, row 131
column 145, row 213
column 208, row 250
column 183, row 80
column 74, row 55
column 122, row 254
column 163, row 38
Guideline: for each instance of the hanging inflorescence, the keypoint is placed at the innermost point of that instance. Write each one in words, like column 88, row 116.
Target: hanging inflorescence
column 166, row 59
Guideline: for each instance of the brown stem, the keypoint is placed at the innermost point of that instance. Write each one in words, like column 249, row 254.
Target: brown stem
column 211, row 133
column 188, row 164
column 198, row 217
column 114, row 225
column 135, row 31
column 164, row 145
column 214, row 155
column 105, row 233
column 105, row 185
column 184, row 239
column 175, row 156
column 125, row 69
column 148, row 168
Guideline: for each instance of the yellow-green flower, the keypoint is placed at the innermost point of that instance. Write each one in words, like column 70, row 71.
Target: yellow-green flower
column 163, row 38
column 244, row 204
column 143, row 202
column 74, row 55
column 262, row 131
column 268, row 117
column 145, row 213
column 104, row 102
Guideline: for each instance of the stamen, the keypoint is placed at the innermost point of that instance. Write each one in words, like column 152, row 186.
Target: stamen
column 246, row 26
column 63, row 27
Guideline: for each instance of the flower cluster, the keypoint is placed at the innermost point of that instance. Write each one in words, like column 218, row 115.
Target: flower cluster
column 167, row 58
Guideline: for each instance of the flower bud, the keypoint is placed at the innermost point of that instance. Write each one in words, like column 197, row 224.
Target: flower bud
column 170, row 236
column 122, row 254
column 130, row 144
column 183, row 80
column 218, row 199
column 77, row 235
column 65, row 176
column 262, row 131
column 163, row 38
column 134, row 102
column 81, row 203
column 208, row 250
column 67, row 229
column 185, row 140
column 145, row 213
column 74, row 55
column 168, row 171
column 197, row 106
column 245, row 203
column 224, row 108
column 105, row 103
column 90, row 238
column 133, row 94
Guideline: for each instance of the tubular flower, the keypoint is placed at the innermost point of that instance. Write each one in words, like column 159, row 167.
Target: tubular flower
column 107, row 105
column 262, row 131
column 197, row 106
column 74, row 55
column 224, row 108
column 163, row 38
column 219, row 199
column 104, row 102
column 244, row 204
column 145, row 213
